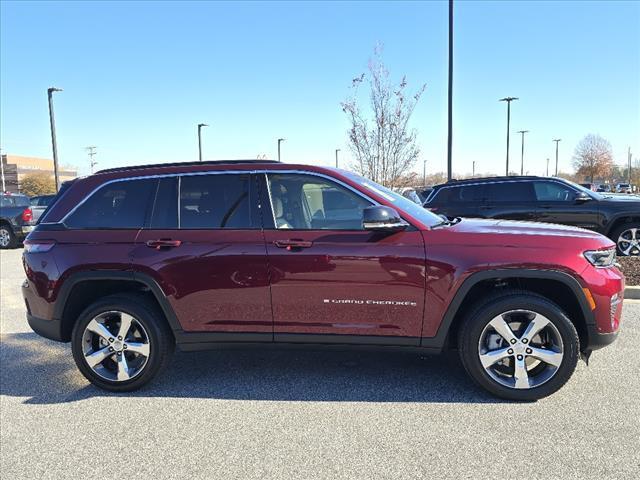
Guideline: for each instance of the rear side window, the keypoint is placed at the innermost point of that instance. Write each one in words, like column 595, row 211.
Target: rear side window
column 215, row 201
column 459, row 194
column 121, row 204
column 510, row 192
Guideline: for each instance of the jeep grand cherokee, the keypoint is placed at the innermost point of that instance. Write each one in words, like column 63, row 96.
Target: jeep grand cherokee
column 129, row 262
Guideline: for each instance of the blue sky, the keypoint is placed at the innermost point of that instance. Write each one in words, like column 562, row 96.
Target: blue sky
column 138, row 77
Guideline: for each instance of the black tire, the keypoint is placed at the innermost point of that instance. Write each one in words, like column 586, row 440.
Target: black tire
column 7, row 232
column 160, row 337
column 615, row 236
column 471, row 330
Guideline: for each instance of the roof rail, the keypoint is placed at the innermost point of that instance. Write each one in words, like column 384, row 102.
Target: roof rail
column 183, row 164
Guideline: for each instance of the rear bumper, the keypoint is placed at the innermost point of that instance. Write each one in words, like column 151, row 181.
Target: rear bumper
column 51, row 329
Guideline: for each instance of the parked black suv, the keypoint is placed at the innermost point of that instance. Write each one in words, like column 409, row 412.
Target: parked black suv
column 542, row 199
column 16, row 219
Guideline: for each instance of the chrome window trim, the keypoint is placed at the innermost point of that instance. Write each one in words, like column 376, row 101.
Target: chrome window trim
column 515, row 180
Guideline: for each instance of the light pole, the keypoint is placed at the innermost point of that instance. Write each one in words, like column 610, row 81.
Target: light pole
column 424, row 172
column 54, row 144
column 280, row 140
column 508, row 100
column 91, row 151
column 557, row 140
column 337, row 150
column 473, row 170
column 4, row 187
column 450, row 95
column 547, row 167
column 522, row 153
column 200, row 125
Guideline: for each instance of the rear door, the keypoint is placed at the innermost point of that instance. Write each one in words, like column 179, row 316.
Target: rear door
column 509, row 200
column 458, row 201
column 204, row 246
column 332, row 281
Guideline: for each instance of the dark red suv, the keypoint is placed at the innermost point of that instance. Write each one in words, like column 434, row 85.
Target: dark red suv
column 129, row 262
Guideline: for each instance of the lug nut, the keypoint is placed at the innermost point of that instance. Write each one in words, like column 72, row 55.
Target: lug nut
column 524, row 340
column 513, row 340
column 529, row 351
column 111, row 340
column 119, row 353
column 119, row 338
column 519, row 357
column 510, row 351
column 111, row 349
column 124, row 346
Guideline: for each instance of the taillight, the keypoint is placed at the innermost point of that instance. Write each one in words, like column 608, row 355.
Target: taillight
column 27, row 215
column 38, row 246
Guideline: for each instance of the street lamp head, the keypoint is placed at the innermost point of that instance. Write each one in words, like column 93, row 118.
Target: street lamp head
column 557, row 139
column 54, row 89
column 203, row 125
column 523, row 131
column 508, row 99
column 281, row 139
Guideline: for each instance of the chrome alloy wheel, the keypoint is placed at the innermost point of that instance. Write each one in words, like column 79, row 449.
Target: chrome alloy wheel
column 629, row 242
column 5, row 237
column 521, row 349
column 116, row 346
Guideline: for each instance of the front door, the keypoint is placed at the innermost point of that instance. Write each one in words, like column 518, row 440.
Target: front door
column 556, row 203
column 332, row 281
column 204, row 246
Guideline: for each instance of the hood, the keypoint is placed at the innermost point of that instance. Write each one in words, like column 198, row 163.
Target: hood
column 509, row 233
column 627, row 199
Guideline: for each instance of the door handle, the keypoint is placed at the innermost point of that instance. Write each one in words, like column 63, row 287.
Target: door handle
column 163, row 243
column 292, row 244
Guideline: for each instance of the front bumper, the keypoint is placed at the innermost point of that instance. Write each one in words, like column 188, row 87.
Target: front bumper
column 598, row 340
column 51, row 329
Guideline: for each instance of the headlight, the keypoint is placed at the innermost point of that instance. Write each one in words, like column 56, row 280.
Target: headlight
column 601, row 258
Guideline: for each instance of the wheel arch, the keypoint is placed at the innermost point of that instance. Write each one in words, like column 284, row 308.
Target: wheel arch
column 82, row 289
column 566, row 289
column 619, row 220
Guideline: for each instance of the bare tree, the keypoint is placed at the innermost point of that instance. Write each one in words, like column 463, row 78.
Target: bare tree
column 593, row 157
column 384, row 147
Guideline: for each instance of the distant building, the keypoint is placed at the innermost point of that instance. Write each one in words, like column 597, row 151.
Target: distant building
column 15, row 167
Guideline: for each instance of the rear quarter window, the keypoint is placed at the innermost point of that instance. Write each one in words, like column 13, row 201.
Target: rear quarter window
column 119, row 205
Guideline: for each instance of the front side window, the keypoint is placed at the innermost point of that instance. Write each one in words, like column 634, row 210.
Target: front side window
column 553, row 192
column 308, row 202
column 122, row 204
column 215, row 201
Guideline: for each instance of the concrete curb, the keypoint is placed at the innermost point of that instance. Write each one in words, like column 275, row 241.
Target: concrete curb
column 632, row 293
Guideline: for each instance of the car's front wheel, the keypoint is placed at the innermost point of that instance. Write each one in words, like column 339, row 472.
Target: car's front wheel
column 121, row 342
column 519, row 346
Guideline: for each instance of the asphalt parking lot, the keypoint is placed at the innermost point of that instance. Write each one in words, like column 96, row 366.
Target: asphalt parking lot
column 297, row 414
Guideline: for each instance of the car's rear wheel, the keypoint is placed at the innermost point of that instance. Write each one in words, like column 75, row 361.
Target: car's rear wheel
column 627, row 238
column 121, row 342
column 519, row 346
column 7, row 237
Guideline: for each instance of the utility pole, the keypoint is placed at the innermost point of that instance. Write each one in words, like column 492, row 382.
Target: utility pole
column 280, row 140
column 2, row 157
column 54, row 144
column 508, row 100
column 557, row 140
column 337, row 150
column 424, row 172
column 522, row 153
column 629, row 175
column 91, row 151
column 473, row 170
column 547, row 167
column 450, row 95
column 200, row 125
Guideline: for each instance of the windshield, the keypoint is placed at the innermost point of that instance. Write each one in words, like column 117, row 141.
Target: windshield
column 403, row 204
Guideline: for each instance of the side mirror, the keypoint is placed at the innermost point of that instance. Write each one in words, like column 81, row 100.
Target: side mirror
column 582, row 197
column 381, row 218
